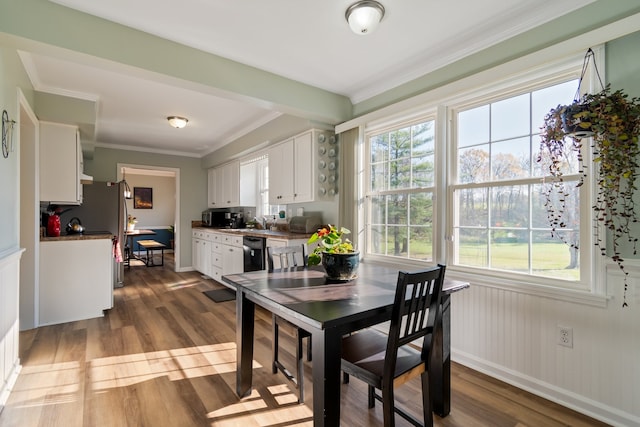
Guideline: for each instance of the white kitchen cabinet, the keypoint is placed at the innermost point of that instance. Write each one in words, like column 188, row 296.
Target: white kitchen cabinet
column 232, row 254
column 224, row 186
column 60, row 164
column 76, row 280
column 201, row 251
column 292, row 170
column 212, row 193
column 281, row 164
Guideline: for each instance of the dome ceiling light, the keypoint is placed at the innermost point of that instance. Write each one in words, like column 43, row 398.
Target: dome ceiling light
column 177, row 121
column 364, row 16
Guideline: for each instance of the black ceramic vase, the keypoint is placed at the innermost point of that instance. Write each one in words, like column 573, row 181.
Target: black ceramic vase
column 575, row 126
column 341, row 267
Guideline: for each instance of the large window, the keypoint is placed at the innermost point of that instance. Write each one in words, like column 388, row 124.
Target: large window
column 500, row 220
column 400, row 195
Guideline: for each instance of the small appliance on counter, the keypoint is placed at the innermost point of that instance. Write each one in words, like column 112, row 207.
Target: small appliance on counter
column 304, row 224
column 214, row 218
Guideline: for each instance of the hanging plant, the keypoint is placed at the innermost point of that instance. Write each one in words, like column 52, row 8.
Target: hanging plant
column 612, row 120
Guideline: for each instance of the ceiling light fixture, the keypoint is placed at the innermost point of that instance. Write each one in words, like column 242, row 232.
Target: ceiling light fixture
column 177, row 122
column 364, row 16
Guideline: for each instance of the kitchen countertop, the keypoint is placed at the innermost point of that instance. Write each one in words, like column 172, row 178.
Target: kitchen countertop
column 93, row 235
column 253, row 232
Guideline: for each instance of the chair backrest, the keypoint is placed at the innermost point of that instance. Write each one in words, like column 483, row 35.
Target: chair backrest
column 415, row 312
column 287, row 256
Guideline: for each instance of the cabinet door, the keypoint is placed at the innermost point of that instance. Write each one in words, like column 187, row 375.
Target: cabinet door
column 232, row 184
column 205, row 257
column 232, row 259
column 195, row 254
column 281, row 166
column 304, row 168
column 60, row 163
column 212, row 198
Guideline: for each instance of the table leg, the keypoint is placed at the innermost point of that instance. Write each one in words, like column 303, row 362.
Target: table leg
column 245, row 314
column 326, row 349
column 440, row 371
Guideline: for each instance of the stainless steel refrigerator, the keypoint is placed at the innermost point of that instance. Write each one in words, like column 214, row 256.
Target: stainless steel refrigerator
column 103, row 209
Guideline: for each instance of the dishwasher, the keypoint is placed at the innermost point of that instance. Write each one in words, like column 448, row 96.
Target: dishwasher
column 254, row 253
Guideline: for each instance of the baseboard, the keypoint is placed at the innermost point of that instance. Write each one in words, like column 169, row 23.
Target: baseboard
column 8, row 385
column 569, row 399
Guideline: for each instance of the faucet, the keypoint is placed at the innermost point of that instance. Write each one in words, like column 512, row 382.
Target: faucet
column 262, row 222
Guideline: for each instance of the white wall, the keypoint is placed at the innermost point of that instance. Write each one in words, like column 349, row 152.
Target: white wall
column 513, row 336
column 164, row 200
column 9, row 322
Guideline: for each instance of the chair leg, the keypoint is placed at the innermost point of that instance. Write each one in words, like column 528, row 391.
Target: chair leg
column 309, row 349
column 426, row 400
column 371, row 400
column 388, row 411
column 345, row 378
column 274, row 327
column 300, row 368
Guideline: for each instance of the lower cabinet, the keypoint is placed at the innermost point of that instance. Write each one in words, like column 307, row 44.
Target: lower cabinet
column 76, row 280
column 216, row 254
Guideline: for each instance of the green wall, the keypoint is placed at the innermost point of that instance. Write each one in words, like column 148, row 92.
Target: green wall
column 12, row 77
column 192, row 185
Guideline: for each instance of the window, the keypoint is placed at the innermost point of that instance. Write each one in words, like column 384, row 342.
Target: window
column 499, row 220
column 401, row 169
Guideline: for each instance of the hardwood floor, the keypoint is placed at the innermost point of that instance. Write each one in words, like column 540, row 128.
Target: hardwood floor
column 165, row 356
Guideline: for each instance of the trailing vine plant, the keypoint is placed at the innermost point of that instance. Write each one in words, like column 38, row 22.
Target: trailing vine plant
column 612, row 120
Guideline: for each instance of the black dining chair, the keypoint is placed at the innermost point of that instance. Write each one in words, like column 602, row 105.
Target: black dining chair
column 385, row 361
column 287, row 257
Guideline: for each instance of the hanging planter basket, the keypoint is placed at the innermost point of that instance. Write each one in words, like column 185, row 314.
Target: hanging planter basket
column 612, row 121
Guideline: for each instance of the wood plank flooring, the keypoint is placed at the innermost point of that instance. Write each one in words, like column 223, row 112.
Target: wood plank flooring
column 165, row 356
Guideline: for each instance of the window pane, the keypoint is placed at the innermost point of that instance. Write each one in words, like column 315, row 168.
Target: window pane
column 379, row 176
column 400, row 144
column 472, row 247
column 510, row 250
column 422, row 169
column 397, row 241
column 400, row 173
column 423, row 139
column 379, row 148
column 378, row 239
column 421, row 243
column 378, row 210
column 473, row 164
column 545, row 99
column 552, row 258
column 510, row 206
column 473, row 126
column 421, row 212
column 472, row 207
column 398, row 209
column 511, row 158
column 510, row 118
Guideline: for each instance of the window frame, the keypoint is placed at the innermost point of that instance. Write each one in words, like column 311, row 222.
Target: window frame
column 441, row 104
column 588, row 257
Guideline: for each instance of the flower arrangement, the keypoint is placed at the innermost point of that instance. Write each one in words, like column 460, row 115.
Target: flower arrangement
column 131, row 219
column 331, row 241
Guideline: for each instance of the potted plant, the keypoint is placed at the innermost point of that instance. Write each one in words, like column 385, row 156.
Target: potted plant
column 131, row 222
column 339, row 259
column 612, row 120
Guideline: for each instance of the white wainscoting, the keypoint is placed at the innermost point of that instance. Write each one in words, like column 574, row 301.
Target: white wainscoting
column 512, row 336
column 9, row 325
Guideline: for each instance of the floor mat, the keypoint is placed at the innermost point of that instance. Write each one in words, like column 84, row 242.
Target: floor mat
column 221, row 295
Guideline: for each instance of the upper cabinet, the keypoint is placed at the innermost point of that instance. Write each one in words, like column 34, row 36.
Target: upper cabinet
column 224, row 186
column 60, row 164
column 291, row 170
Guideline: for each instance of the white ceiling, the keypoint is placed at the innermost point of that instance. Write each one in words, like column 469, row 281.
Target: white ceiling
column 304, row 40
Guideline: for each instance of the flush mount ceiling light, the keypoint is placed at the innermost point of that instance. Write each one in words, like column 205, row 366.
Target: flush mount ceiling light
column 177, row 122
column 364, row 16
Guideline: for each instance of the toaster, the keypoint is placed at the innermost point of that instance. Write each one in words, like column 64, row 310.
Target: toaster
column 304, row 224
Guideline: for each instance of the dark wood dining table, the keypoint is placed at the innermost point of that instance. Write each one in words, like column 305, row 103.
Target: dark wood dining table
column 328, row 311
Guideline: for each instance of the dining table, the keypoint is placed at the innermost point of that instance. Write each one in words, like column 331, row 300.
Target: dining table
column 329, row 310
column 130, row 235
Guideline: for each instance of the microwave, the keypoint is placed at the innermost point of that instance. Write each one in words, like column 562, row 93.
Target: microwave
column 214, row 218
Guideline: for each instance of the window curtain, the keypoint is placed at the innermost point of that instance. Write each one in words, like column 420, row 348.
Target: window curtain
column 350, row 212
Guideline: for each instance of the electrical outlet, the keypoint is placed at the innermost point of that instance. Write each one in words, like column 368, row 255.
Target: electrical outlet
column 565, row 336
